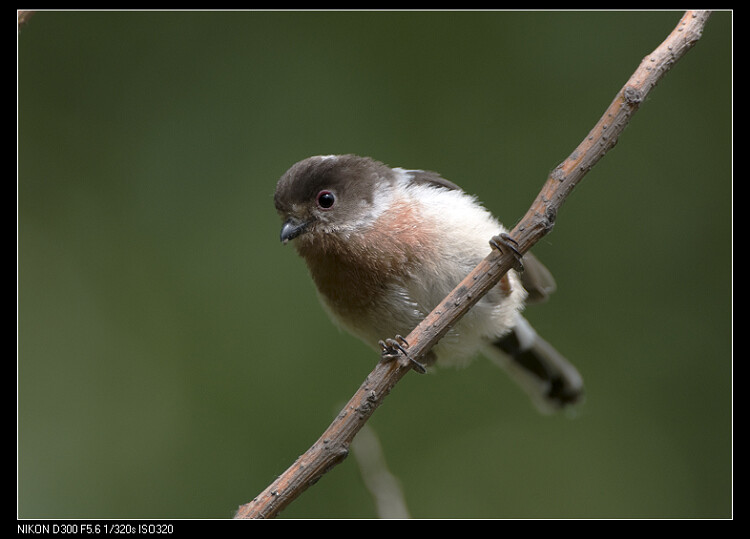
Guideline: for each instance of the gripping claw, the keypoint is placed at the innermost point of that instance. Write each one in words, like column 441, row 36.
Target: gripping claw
column 391, row 349
column 504, row 241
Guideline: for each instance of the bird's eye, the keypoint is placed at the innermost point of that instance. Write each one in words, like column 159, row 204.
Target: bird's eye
column 325, row 200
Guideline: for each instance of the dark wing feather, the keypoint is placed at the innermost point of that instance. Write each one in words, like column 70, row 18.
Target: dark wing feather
column 431, row 178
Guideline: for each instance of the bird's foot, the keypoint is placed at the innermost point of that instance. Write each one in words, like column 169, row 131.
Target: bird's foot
column 504, row 241
column 391, row 349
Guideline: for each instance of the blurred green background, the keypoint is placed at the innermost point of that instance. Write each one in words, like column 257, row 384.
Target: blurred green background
column 172, row 356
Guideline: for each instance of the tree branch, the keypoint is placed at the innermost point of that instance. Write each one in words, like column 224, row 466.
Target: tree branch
column 384, row 487
column 333, row 446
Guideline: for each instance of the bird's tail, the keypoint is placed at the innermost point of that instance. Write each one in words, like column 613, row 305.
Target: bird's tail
column 549, row 379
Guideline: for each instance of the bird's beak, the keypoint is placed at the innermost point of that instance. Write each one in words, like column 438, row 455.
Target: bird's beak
column 291, row 229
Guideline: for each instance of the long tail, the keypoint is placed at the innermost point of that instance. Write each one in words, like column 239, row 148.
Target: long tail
column 550, row 380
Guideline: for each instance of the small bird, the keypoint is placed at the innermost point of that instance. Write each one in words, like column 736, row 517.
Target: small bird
column 384, row 247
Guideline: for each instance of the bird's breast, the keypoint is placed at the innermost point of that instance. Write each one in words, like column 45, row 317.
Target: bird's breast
column 356, row 273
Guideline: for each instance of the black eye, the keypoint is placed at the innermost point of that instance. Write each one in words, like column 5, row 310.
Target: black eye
column 325, row 200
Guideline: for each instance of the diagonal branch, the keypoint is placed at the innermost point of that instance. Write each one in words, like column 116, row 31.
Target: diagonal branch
column 333, row 446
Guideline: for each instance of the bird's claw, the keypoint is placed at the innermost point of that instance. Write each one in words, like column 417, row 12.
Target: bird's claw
column 391, row 349
column 504, row 241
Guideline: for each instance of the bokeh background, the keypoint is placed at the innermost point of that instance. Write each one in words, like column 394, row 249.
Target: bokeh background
column 172, row 356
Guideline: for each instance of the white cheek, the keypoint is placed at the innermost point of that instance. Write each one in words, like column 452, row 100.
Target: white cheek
column 368, row 213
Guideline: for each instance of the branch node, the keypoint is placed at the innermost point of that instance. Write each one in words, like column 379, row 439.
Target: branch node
column 550, row 214
column 632, row 96
column 559, row 174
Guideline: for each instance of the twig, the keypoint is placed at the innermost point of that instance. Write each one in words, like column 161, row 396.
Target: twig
column 382, row 484
column 333, row 446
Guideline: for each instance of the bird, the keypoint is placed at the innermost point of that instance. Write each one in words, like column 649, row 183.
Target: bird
column 385, row 245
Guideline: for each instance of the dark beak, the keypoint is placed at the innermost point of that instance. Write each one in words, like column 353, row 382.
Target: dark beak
column 291, row 229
